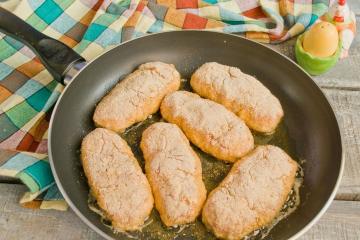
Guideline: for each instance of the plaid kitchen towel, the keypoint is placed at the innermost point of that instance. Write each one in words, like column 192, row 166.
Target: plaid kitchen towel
column 28, row 92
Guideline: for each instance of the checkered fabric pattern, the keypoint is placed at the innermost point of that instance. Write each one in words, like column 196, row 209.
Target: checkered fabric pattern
column 28, row 92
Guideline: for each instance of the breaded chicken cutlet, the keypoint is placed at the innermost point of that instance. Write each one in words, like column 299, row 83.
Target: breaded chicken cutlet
column 174, row 173
column 136, row 97
column 251, row 195
column 116, row 179
column 241, row 93
column 208, row 125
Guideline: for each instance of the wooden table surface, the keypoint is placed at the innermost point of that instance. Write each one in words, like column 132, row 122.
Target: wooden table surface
column 341, row 221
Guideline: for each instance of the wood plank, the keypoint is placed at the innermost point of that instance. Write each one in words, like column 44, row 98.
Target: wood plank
column 354, row 6
column 341, row 221
column 347, row 107
column 346, row 73
column 17, row 222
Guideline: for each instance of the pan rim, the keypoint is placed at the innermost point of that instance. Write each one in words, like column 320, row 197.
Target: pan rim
column 319, row 214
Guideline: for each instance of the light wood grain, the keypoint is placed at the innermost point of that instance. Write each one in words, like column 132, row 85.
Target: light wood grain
column 346, row 73
column 20, row 223
column 341, row 221
column 354, row 6
column 347, row 108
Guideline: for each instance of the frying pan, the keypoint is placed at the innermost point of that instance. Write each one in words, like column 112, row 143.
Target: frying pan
column 309, row 119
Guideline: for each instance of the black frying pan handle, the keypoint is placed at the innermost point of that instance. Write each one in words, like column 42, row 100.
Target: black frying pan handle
column 56, row 56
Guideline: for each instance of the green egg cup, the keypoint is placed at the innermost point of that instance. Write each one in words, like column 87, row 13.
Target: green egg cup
column 312, row 64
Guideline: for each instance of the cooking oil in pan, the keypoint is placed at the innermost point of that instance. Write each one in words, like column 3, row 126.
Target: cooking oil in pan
column 214, row 171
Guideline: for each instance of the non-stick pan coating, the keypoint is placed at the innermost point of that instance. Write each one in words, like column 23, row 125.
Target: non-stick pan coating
column 309, row 118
